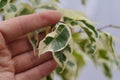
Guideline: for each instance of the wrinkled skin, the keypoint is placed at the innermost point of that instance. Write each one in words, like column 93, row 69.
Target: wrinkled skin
column 17, row 61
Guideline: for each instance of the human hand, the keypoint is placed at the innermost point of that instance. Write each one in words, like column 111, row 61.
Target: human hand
column 17, row 61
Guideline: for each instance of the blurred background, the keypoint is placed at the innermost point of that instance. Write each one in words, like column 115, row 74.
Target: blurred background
column 103, row 12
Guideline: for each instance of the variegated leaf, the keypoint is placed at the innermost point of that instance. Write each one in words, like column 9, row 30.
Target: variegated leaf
column 3, row 3
column 57, row 42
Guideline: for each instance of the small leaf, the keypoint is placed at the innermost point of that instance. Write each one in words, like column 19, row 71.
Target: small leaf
column 74, row 15
column 80, row 62
column 91, row 27
column 48, row 7
column 107, row 41
column 57, row 0
column 103, row 54
column 84, row 2
column 12, row 8
column 25, row 9
column 49, row 77
column 3, row 3
column 107, row 70
column 35, row 2
column 33, row 39
column 61, row 57
column 90, row 30
column 10, row 11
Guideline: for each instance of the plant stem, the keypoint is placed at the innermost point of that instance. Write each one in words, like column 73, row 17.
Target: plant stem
column 109, row 26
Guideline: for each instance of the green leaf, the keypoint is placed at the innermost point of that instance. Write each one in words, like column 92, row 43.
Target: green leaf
column 76, row 37
column 33, row 39
column 57, row 0
column 48, row 7
column 73, row 15
column 107, row 70
column 90, row 30
column 70, row 69
column 25, row 9
column 107, row 41
column 84, row 2
column 80, row 62
column 10, row 11
column 12, row 8
column 35, row 2
column 60, row 57
column 70, row 21
column 66, row 74
column 64, row 58
column 103, row 54
column 90, row 48
column 3, row 3
column 49, row 77
column 57, row 42
column 90, row 27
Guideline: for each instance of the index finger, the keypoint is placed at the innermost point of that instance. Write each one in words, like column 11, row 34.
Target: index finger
column 13, row 28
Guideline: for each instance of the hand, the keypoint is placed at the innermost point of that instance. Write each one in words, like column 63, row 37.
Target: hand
column 17, row 61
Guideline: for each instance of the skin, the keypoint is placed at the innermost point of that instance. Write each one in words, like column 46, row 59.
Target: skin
column 17, row 60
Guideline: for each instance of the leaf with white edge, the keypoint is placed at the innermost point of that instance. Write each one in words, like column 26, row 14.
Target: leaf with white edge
column 74, row 15
column 102, row 53
column 64, row 57
column 90, row 27
column 57, row 40
column 58, row 43
column 33, row 39
column 90, row 30
column 60, row 58
column 35, row 2
column 10, row 11
column 107, row 41
column 80, row 62
column 3, row 3
column 107, row 70
column 49, row 77
column 25, row 9
column 69, row 70
column 90, row 48
column 48, row 7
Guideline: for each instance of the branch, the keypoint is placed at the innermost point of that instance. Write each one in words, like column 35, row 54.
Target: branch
column 109, row 26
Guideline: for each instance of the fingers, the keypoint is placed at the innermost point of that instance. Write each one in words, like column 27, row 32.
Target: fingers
column 22, row 45
column 28, row 60
column 19, row 46
column 11, row 29
column 38, row 72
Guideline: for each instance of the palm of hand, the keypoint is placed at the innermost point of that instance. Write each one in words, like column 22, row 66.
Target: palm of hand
column 17, row 61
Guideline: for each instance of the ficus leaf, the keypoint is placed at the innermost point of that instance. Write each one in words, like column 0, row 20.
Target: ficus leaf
column 10, row 11
column 74, row 15
column 33, row 39
column 25, row 9
column 57, row 42
column 79, row 60
column 107, row 70
column 84, row 2
column 3, row 3
column 107, row 41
